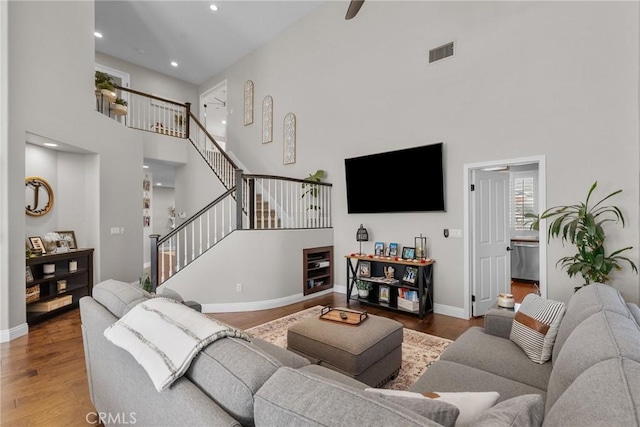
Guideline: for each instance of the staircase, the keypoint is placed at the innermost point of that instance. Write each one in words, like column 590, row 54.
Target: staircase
column 266, row 217
column 251, row 202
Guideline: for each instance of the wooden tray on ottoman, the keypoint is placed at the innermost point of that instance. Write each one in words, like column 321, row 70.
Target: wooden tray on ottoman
column 353, row 318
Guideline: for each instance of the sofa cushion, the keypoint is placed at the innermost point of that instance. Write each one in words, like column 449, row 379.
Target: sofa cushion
column 604, row 335
column 587, row 301
column 284, row 356
column 522, row 411
column 231, row 371
column 438, row 410
column 119, row 297
column 606, row 394
column 535, row 326
column 635, row 311
column 469, row 405
column 497, row 355
column 297, row 398
column 445, row 376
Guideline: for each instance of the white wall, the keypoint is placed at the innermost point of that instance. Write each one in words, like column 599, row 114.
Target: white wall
column 152, row 82
column 51, row 45
column 73, row 179
column 558, row 79
column 268, row 265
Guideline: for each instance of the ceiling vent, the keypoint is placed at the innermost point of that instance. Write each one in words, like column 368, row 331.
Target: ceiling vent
column 441, row 52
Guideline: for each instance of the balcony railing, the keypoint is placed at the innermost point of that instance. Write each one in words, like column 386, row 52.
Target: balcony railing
column 257, row 202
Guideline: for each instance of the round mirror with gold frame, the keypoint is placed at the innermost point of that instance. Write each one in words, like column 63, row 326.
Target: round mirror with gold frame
column 39, row 196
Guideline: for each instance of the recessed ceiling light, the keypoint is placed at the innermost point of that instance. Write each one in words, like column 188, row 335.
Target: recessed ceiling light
column 145, row 167
column 224, row 122
column 97, row 34
column 213, row 7
column 174, row 63
column 140, row 51
column 50, row 144
column 158, row 184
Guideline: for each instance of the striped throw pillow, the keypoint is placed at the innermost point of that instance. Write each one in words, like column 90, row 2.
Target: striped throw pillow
column 536, row 325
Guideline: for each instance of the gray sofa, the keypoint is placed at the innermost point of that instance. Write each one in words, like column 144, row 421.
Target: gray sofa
column 593, row 379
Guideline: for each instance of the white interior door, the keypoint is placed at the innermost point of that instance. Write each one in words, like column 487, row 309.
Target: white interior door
column 491, row 264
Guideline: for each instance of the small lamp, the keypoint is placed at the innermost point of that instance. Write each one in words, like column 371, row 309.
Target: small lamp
column 421, row 247
column 362, row 236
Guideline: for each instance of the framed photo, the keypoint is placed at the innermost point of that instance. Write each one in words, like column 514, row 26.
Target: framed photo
column 383, row 295
column 364, row 269
column 410, row 275
column 68, row 239
column 408, row 253
column 379, row 248
column 393, row 249
column 37, row 245
column 146, row 203
column 29, row 274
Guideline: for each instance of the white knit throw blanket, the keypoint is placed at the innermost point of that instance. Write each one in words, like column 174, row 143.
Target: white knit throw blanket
column 164, row 336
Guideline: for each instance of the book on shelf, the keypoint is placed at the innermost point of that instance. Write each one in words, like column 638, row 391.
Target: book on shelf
column 408, row 294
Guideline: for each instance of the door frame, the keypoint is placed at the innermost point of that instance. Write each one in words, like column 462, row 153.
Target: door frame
column 468, row 220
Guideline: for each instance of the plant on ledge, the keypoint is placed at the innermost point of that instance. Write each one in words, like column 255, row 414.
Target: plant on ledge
column 582, row 225
column 312, row 190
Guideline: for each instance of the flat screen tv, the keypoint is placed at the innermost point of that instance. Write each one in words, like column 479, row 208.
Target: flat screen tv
column 409, row 180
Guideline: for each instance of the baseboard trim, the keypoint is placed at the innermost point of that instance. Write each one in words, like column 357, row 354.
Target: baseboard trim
column 13, row 333
column 448, row 310
column 230, row 307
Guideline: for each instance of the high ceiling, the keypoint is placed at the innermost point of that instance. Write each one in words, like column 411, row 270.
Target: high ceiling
column 203, row 42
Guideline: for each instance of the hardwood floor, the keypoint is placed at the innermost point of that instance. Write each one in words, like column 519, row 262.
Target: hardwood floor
column 43, row 380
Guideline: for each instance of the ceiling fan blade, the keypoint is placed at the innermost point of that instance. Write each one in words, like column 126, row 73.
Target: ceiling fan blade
column 354, row 7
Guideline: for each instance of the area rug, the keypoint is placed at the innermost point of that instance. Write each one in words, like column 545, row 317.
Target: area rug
column 419, row 350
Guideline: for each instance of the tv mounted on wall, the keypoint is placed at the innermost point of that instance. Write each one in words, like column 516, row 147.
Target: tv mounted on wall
column 409, row 180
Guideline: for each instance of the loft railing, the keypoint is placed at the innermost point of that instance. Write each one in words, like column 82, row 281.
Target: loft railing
column 283, row 203
column 258, row 202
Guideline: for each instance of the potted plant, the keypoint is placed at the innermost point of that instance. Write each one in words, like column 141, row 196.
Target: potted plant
column 363, row 287
column 119, row 107
column 105, row 86
column 582, row 225
column 145, row 282
column 312, row 191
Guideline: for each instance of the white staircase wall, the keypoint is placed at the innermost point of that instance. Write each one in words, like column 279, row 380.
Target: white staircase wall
column 267, row 264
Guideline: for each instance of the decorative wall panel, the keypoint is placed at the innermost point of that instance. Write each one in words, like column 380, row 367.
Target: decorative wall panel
column 289, row 139
column 248, row 102
column 267, row 119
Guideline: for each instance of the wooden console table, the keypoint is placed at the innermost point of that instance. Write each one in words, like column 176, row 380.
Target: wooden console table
column 423, row 283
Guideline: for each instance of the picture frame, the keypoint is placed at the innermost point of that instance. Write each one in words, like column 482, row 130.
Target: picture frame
column 393, row 249
column 364, row 269
column 408, row 252
column 37, row 245
column 410, row 275
column 29, row 274
column 68, row 239
column 378, row 248
column 383, row 293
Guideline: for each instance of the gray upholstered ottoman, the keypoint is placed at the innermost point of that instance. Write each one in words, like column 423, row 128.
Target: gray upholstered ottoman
column 370, row 352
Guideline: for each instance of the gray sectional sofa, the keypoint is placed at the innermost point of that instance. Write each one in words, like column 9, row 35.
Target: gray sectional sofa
column 592, row 379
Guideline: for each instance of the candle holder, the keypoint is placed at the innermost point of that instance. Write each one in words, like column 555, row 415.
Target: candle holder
column 420, row 243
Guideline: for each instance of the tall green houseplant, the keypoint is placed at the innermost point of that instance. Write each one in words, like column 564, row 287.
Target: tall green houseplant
column 582, row 225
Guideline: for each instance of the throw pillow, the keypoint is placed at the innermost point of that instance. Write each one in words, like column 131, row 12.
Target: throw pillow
column 535, row 326
column 470, row 404
column 522, row 411
column 443, row 413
